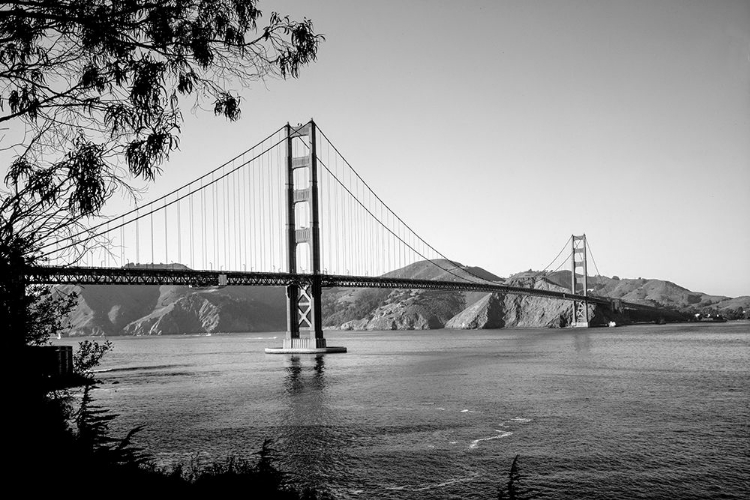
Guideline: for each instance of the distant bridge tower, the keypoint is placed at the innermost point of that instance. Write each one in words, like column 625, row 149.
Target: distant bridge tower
column 304, row 304
column 579, row 287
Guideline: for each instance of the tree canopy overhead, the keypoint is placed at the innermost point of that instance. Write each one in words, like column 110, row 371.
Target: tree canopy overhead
column 90, row 89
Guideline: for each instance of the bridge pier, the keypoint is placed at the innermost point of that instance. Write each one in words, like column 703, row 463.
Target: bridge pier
column 304, row 304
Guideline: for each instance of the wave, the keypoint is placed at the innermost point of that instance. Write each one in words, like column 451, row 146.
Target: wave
column 432, row 486
column 136, row 368
column 501, row 434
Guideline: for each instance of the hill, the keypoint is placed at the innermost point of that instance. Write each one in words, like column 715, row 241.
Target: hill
column 659, row 293
column 160, row 310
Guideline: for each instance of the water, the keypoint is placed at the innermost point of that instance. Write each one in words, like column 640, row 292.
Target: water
column 631, row 412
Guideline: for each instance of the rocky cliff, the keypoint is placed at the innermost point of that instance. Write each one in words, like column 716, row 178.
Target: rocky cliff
column 418, row 309
column 159, row 310
column 162, row 310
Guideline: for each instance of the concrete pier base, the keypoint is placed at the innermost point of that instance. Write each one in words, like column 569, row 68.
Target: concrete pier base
column 580, row 324
column 304, row 346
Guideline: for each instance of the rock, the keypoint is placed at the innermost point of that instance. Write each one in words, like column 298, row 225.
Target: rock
column 163, row 310
column 487, row 312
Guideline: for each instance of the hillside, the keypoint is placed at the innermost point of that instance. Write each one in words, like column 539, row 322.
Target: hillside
column 160, row 310
column 657, row 293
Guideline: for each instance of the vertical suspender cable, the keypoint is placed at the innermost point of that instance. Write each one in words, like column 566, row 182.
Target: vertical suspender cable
column 107, row 252
column 151, row 217
column 372, row 266
column 179, row 231
column 282, row 171
column 122, row 242
column 361, row 225
column 191, row 239
column 203, row 226
column 137, row 237
column 215, row 224
column 166, row 234
column 225, row 222
column 339, row 226
column 256, row 219
column 236, row 247
column 264, row 238
column 244, row 219
column 271, row 201
column 278, row 205
column 326, row 182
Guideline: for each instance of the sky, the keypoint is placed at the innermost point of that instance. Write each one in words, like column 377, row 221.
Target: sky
column 496, row 129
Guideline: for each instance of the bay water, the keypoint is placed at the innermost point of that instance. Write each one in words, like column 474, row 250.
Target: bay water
column 646, row 411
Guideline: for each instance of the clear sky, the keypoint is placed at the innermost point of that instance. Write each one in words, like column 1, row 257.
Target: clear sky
column 497, row 129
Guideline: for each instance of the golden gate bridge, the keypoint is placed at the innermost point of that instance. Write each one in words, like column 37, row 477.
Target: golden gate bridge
column 289, row 212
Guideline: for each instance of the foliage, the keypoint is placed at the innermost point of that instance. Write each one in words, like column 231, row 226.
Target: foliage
column 443, row 304
column 367, row 302
column 14, row 302
column 260, row 479
column 93, row 436
column 337, row 312
column 47, row 313
column 92, row 93
column 88, row 356
column 97, row 87
column 91, row 97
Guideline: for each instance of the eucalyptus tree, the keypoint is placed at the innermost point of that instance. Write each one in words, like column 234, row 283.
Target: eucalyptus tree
column 92, row 93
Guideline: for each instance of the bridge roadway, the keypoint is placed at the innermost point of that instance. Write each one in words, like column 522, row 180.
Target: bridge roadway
column 137, row 275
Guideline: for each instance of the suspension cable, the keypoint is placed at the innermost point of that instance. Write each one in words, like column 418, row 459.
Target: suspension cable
column 146, row 214
column 455, row 264
column 94, row 228
column 535, row 276
column 592, row 257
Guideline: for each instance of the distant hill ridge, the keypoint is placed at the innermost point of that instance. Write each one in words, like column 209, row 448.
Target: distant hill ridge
column 655, row 292
column 161, row 310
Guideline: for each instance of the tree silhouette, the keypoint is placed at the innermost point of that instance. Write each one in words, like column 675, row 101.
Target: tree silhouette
column 91, row 97
column 93, row 89
column 91, row 93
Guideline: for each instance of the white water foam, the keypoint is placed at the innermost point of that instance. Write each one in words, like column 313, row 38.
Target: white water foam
column 426, row 486
column 501, row 434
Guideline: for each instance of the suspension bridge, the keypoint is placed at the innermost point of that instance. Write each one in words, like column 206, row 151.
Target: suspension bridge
column 288, row 212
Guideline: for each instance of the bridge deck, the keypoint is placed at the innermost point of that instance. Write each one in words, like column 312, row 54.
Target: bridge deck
column 187, row 277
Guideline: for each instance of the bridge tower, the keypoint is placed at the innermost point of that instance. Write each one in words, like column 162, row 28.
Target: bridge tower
column 304, row 305
column 579, row 287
